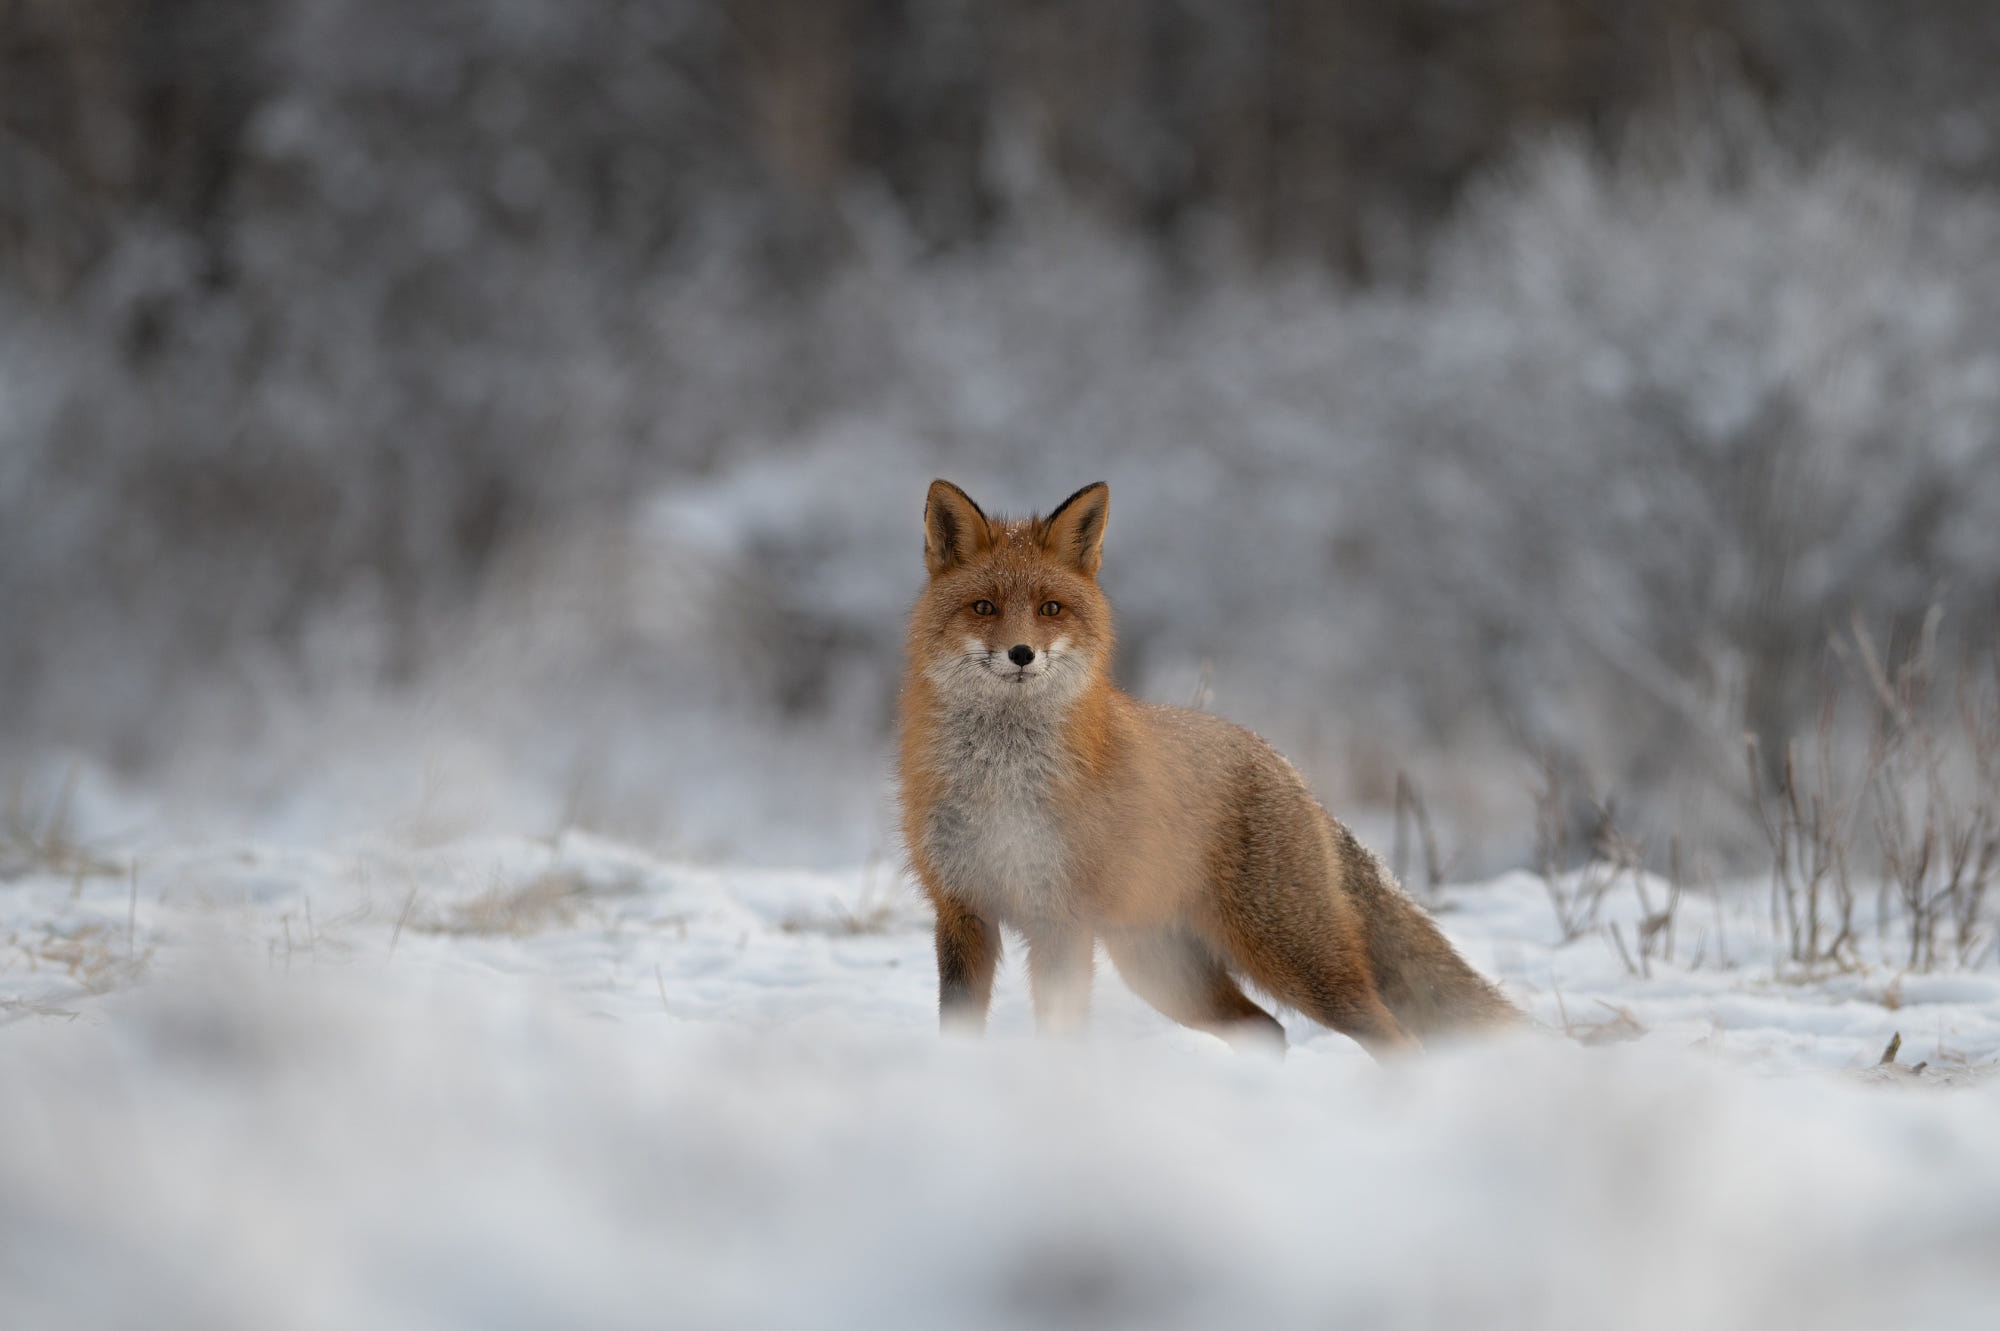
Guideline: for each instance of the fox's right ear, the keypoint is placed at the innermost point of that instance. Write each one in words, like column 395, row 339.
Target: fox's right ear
column 954, row 528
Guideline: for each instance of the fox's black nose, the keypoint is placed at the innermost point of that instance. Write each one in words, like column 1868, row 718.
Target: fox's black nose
column 1021, row 653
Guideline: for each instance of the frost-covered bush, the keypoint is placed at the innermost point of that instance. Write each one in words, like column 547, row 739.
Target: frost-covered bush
column 1705, row 410
column 528, row 418
column 413, row 330
column 1601, row 488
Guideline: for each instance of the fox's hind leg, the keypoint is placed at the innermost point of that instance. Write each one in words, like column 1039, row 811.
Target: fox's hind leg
column 968, row 950
column 1314, row 971
column 1365, row 1018
column 1176, row 973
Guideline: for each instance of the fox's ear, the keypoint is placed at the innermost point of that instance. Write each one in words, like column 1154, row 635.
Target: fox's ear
column 1074, row 533
column 954, row 528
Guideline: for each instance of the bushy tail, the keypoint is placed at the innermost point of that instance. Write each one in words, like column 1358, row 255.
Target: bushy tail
column 1421, row 977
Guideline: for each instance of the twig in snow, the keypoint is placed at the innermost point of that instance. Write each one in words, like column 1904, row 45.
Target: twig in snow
column 409, row 904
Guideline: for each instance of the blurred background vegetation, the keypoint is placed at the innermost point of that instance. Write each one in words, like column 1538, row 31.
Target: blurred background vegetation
column 539, row 394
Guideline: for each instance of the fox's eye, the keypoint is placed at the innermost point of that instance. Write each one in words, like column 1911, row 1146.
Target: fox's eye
column 983, row 607
column 1052, row 608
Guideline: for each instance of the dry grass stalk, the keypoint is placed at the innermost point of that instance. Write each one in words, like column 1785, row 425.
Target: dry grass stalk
column 842, row 921
column 550, row 900
column 1609, row 855
column 1617, row 1028
column 16, row 1009
column 875, row 912
column 1657, row 928
column 90, row 955
column 45, row 842
column 1934, row 799
column 1411, row 809
column 1808, row 833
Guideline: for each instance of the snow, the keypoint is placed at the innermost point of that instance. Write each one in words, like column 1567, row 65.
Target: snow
column 507, row 1082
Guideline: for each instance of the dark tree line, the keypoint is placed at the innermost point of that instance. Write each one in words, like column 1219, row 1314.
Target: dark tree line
column 1326, row 128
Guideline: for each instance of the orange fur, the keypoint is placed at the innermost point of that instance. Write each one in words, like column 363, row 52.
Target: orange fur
column 1038, row 796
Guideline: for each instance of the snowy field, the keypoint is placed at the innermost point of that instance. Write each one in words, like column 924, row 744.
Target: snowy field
column 561, row 1083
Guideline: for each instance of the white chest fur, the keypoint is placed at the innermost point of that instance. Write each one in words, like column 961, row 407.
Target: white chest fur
column 992, row 835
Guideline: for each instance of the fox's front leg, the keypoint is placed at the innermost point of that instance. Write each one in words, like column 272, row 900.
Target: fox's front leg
column 968, row 950
column 1059, row 971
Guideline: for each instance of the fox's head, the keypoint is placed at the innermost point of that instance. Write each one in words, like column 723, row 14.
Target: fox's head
column 1012, row 608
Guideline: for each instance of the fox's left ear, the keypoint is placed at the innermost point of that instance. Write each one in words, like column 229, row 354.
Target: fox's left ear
column 1074, row 533
column 954, row 528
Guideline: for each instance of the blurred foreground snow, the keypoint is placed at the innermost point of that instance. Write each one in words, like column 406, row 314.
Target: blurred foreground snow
column 522, row 1083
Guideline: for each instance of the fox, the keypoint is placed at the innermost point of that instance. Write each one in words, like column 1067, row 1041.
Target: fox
column 1038, row 797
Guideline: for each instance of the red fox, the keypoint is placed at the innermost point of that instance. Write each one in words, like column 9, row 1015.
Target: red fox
column 1038, row 796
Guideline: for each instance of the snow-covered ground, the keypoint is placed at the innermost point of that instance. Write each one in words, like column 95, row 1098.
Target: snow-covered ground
column 561, row 1083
